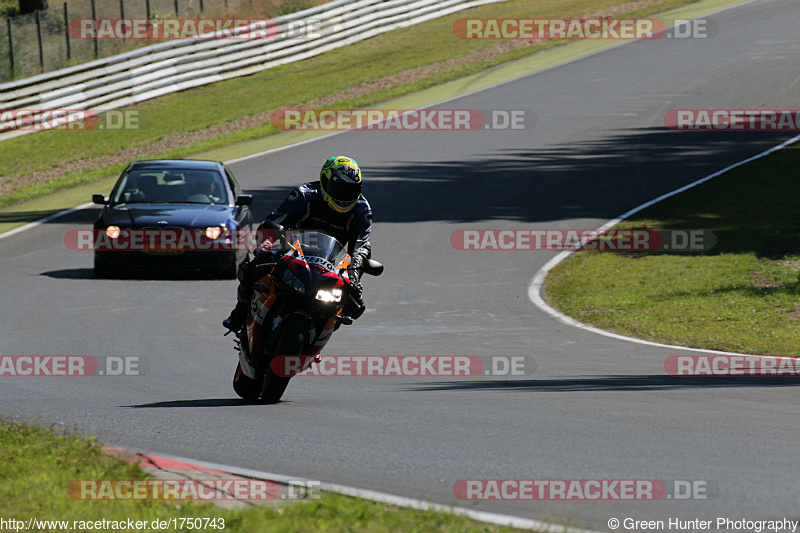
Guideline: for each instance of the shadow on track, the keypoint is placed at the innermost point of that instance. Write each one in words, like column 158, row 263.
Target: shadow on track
column 602, row 178
column 611, row 383
column 599, row 179
column 208, row 402
column 140, row 275
column 70, row 273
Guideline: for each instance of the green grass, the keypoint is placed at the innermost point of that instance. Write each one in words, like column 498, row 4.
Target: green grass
column 37, row 464
column 743, row 295
column 287, row 86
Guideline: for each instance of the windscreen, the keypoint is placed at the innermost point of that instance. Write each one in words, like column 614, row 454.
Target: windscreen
column 318, row 248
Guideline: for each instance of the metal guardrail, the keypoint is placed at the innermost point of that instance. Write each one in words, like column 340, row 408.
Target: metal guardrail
column 46, row 39
column 173, row 66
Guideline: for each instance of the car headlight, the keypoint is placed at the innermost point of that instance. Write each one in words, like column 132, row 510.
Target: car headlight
column 113, row 232
column 292, row 280
column 213, row 232
column 334, row 295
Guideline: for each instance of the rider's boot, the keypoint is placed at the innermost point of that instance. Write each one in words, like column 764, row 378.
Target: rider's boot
column 239, row 314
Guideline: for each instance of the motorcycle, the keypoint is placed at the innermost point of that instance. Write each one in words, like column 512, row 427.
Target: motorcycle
column 297, row 304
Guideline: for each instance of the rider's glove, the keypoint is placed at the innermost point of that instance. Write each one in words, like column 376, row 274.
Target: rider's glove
column 266, row 247
column 356, row 289
column 357, row 263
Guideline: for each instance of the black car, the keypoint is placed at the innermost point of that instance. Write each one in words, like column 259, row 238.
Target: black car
column 173, row 213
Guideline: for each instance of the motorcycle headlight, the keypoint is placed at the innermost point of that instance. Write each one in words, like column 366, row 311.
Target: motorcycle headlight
column 292, row 281
column 333, row 295
column 113, row 231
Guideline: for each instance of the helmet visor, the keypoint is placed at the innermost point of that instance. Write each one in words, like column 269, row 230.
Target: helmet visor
column 344, row 193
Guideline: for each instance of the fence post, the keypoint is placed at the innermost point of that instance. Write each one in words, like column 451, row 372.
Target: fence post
column 66, row 30
column 94, row 24
column 122, row 13
column 147, row 7
column 202, row 7
column 10, row 45
column 177, row 13
column 39, row 37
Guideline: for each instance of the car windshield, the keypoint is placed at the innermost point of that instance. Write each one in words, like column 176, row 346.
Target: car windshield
column 317, row 245
column 171, row 186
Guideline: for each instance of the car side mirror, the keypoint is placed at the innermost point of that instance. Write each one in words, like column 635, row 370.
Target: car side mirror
column 99, row 199
column 244, row 199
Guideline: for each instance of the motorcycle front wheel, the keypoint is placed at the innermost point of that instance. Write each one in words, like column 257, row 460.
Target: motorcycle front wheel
column 295, row 336
column 244, row 386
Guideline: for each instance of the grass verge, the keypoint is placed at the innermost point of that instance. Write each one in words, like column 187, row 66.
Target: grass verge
column 177, row 125
column 742, row 296
column 36, row 465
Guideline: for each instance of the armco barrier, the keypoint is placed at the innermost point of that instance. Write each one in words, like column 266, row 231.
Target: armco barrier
column 173, row 66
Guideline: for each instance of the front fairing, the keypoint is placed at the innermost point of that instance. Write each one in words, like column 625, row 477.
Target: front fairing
column 313, row 273
column 311, row 279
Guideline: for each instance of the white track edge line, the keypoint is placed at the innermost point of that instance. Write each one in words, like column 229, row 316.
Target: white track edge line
column 537, row 283
column 382, row 497
column 45, row 220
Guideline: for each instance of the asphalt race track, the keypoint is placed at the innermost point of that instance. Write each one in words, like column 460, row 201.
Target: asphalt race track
column 590, row 407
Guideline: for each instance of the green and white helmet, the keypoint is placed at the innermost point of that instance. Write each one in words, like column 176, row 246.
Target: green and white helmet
column 340, row 179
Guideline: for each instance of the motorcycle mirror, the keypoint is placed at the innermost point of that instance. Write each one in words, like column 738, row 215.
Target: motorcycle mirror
column 277, row 229
column 373, row 268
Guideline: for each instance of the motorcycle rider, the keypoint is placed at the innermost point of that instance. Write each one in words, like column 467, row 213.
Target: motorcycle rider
column 333, row 205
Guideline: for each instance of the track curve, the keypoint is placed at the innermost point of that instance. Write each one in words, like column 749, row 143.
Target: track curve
column 595, row 407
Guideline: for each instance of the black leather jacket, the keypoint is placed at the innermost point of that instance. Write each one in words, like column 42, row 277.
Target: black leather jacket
column 305, row 208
